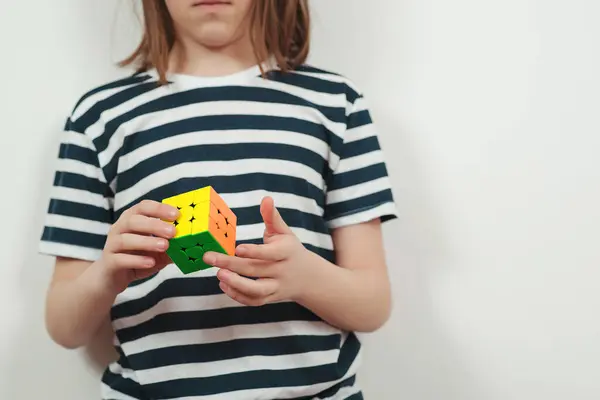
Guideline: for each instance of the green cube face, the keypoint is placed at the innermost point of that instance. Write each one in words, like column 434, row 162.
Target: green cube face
column 187, row 251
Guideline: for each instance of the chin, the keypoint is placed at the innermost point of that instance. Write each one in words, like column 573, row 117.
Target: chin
column 215, row 36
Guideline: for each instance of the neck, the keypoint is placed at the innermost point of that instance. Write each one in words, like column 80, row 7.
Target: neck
column 192, row 58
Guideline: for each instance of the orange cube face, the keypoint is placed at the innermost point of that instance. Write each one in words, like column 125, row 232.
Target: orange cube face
column 222, row 223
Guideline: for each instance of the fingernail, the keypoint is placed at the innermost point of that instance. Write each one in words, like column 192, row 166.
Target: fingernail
column 162, row 244
column 222, row 274
column 241, row 251
column 170, row 230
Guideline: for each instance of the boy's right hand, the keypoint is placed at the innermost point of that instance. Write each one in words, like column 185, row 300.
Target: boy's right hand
column 131, row 252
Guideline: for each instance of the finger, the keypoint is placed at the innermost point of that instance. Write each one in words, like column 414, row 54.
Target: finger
column 274, row 223
column 147, row 208
column 267, row 252
column 241, row 266
column 138, row 223
column 241, row 298
column 151, row 208
column 259, row 288
column 145, row 273
column 129, row 242
column 132, row 261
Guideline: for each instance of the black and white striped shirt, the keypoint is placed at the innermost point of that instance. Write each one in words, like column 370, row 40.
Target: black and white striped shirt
column 305, row 138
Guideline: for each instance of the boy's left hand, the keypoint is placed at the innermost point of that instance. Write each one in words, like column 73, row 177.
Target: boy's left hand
column 280, row 266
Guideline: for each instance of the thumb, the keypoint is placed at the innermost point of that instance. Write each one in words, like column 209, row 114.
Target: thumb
column 274, row 223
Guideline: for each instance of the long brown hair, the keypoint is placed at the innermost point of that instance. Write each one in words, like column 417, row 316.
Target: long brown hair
column 279, row 28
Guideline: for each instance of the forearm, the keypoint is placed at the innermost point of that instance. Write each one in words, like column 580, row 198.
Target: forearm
column 350, row 299
column 76, row 309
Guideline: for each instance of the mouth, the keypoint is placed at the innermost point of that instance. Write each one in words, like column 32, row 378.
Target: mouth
column 211, row 3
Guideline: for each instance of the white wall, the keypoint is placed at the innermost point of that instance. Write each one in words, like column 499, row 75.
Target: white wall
column 489, row 116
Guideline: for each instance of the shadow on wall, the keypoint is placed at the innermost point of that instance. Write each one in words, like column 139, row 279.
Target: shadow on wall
column 413, row 357
column 35, row 366
column 38, row 365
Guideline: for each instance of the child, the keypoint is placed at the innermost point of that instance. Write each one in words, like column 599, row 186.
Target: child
column 222, row 97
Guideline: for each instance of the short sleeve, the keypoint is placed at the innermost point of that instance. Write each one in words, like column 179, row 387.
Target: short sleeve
column 359, row 189
column 79, row 213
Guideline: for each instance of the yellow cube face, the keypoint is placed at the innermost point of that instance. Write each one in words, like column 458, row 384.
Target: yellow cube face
column 203, row 211
column 194, row 207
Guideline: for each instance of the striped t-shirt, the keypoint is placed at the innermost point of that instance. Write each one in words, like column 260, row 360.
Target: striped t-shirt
column 305, row 138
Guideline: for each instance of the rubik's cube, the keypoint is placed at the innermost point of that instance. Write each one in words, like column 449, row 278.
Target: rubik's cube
column 205, row 224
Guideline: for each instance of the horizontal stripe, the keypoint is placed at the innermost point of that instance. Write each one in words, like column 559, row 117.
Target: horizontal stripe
column 215, row 94
column 98, row 130
column 225, row 367
column 235, row 356
column 175, row 304
column 251, row 379
column 73, row 237
column 106, row 90
column 237, row 122
column 68, row 250
column 360, row 147
column 142, row 287
column 80, row 224
column 307, row 82
column 332, row 106
column 79, row 210
column 293, row 217
column 209, row 319
column 68, row 191
column 194, row 111
column 129, row 192
column 355, row 177
column 316, row 391
column 70, row 137
column 358, row 190
column 92, row 115
column 78, row 153
column 282, row 200
column 233, row 189
column 358, row 119
column 228, row 155
column 219, row 137
column 359, row 133
column 79, row 182
column 358, row 207
column 151, row 295
column 270, row 382
column 65, row 165
column 150, row 343
column 360, row 161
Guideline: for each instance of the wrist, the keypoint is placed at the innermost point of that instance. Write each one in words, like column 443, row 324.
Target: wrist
column 315, row 272
column 101, row 281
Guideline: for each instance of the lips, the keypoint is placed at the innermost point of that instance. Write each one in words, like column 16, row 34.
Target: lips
column 210, row 3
